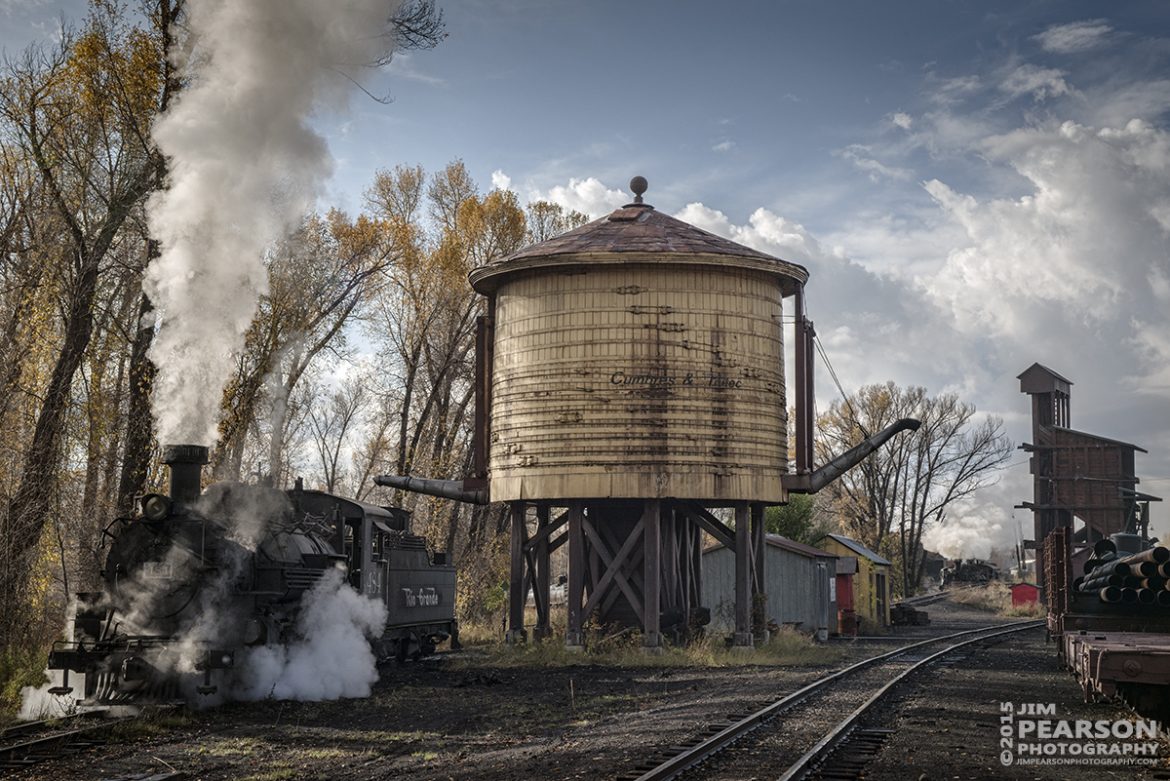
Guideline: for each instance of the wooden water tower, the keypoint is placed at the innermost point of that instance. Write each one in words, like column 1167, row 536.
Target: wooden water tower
column 630, row 379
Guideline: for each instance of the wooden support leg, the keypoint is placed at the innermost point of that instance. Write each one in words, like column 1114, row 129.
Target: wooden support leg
column 743, row 578
column 652, row 576
column 697, row 566
column 575, row 637
column 759, row 582
column 541, row 583
column 517, row 593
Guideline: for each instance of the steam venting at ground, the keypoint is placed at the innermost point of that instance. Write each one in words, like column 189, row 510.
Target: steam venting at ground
column 330, row 657
column 244, row 167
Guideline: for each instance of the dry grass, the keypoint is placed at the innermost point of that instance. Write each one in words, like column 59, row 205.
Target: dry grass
column 149, row 723
column 785, row 648
column 995, row 597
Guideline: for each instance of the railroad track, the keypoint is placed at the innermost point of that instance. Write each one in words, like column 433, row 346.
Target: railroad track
column 871, row 679
column 27, row 744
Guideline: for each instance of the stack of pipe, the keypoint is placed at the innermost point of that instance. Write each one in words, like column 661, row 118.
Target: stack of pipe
column 1140, row 579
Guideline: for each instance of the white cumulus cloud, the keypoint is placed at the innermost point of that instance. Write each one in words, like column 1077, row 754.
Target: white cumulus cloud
column 587, row 195
column 500, row 180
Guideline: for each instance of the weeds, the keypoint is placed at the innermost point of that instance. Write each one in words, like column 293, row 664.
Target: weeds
column 995, row 597
column 785, row 648
column 149, row 724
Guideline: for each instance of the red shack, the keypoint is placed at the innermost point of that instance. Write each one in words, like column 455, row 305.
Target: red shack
column 1024, row 594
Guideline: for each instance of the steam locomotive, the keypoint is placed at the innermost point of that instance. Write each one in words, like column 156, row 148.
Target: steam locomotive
column 969, row 572
column 195, row 580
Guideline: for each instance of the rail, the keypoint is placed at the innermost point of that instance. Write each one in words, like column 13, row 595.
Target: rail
column 709, row 746
column 33, row 750
column 825, row 746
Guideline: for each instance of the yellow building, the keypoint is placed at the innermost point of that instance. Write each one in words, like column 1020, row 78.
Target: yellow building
column 870, row 586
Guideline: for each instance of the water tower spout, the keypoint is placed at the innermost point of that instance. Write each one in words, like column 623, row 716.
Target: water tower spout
column 811, row 483
column 447, row 489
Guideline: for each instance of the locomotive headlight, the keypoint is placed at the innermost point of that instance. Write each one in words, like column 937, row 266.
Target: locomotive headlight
column 155, row 507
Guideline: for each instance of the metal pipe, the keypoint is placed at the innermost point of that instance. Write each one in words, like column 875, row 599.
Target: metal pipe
column 1094, row 562
column 1163, row 598
column 1110, row 594
column 1157, row 555
column 1103, row 547
column 1112, row 568
column 1129, row 596
column 447, row 489
column 1092, row 584
column 1146, row 596
column 810, row 484
column 803, row 366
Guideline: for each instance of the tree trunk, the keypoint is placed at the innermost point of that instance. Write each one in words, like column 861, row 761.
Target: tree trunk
column 29, row 508
column 139, row 422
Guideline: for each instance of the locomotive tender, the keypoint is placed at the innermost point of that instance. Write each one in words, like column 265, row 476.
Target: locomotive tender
column 194, row 579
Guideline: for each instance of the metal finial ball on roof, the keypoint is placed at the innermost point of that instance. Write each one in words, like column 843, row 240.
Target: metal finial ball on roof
column 638, row 186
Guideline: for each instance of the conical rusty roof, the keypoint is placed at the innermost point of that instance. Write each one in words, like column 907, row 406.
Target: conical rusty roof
column 638, row 233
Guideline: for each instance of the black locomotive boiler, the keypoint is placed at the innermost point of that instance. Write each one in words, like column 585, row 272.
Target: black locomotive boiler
column 196, row 579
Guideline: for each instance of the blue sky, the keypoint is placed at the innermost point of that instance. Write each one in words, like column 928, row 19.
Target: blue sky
column 973, row 186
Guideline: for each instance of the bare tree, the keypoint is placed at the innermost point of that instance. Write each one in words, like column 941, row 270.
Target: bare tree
column 547, row 219
column 329, row 428
column 317, row 280
column 910, row 484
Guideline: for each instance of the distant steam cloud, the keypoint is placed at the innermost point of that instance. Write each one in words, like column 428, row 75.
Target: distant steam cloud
column 970, row 533
column 245, row 166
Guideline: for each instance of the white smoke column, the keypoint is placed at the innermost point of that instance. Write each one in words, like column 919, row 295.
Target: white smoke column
column 331, row 658
column 244, row 167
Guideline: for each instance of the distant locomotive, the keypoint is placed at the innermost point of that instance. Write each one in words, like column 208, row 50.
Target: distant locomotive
column 245, row 556
column 969, row 572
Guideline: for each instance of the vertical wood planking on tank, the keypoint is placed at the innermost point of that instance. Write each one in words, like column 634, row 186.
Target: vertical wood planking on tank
column 614, row 396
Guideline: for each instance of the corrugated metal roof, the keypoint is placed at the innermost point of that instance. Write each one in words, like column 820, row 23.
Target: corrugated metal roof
column 779, row 541
column 859, row 549
column 798, row 547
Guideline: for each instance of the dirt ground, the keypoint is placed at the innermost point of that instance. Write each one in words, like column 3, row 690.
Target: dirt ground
column 469, row 716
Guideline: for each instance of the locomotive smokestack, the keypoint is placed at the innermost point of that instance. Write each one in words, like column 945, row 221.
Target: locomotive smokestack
column 186, row 463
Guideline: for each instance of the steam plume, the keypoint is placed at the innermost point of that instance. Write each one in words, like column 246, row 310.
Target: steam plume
column 331, row 659
column 970, row 532
column 244, row 167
